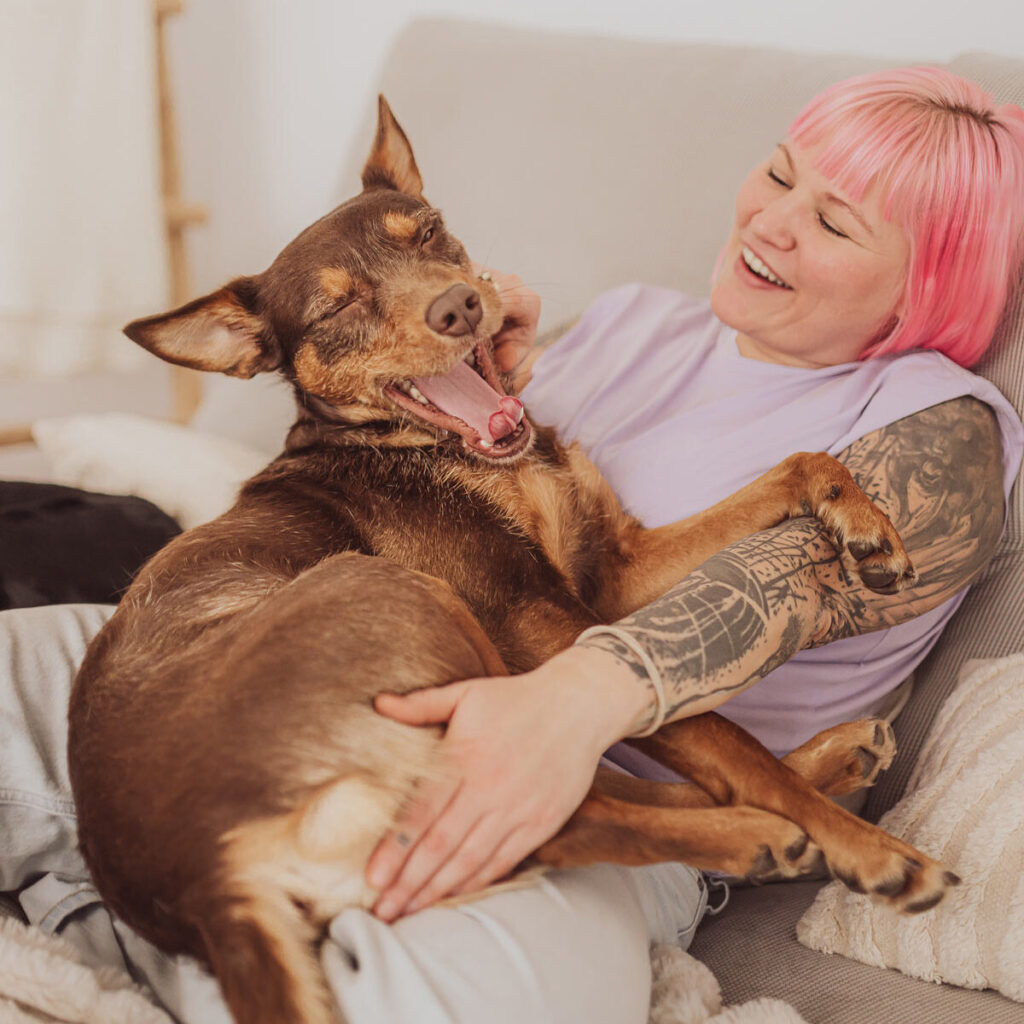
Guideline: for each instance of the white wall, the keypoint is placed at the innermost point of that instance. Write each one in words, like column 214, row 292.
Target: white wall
column 271, row 92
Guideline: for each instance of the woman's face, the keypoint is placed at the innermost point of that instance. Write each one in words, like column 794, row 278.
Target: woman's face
column 809, row 277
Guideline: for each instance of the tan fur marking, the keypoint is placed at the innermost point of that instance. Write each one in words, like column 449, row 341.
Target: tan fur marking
column 401, row 225
column 287, row 930
column 545, row 504
column 315, row 854
column 336, row 282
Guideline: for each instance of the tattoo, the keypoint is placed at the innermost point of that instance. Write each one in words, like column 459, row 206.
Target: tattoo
column 752, row 606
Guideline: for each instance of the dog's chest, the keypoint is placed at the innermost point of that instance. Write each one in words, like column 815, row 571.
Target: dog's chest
column 500, row 539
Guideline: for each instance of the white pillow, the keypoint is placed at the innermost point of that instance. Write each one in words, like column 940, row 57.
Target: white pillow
column 193, row 477
column 965, row 807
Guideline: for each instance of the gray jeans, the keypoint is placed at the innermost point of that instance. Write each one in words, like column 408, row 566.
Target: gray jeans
column 572, row 948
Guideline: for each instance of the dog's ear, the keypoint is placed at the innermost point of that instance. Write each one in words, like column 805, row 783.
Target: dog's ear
column 391, row 163
column 220, row 332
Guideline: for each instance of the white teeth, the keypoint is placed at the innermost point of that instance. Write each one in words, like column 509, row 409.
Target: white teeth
column 486, row 444
column 759, row 268
column 417, row 394
column 471, row 359
column 519, row 415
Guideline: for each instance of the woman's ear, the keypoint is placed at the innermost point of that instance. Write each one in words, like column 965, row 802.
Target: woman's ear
column 219, row 332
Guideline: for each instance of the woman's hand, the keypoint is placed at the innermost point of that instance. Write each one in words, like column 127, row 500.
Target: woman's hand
column 521, row 752
column 518, row 333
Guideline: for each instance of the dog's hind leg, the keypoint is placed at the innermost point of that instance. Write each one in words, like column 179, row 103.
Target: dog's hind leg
column 837, row 761
column 735, row 769
column 741, row 841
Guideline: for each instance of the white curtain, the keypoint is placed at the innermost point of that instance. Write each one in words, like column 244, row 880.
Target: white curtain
column 81, row 234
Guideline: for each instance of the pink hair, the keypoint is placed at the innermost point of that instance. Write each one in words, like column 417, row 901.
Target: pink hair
column 951, row 168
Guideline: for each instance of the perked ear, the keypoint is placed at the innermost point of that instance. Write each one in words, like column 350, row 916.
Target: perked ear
column 391, row 163
column 218, row 332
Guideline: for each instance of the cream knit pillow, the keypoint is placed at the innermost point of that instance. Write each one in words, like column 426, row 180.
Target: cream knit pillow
column 965, row 807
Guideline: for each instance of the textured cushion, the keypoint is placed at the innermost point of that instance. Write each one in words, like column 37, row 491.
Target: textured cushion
column 192, row 476
column 965, row 807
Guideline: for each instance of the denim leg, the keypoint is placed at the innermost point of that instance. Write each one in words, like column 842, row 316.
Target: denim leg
column 40, row 650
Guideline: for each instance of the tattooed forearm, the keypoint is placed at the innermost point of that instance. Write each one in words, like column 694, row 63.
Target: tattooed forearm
column 752, row 606
column 744, row 612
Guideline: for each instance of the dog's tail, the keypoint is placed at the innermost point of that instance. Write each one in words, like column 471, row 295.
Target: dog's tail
column 261, row 948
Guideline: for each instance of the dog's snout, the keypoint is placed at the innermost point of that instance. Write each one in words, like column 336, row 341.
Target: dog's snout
column 455, row 312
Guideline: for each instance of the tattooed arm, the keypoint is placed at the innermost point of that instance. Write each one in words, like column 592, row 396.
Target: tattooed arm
column 752, row 606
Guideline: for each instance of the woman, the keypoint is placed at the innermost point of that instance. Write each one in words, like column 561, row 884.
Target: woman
column 833, row 256
column 890, row 220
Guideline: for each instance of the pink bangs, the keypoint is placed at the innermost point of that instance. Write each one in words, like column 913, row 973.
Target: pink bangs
column 951, row 169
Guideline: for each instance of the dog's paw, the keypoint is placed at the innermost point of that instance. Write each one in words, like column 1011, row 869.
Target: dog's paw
column 786, row 852
column 896, row 874
column 864, row 536
column 847, row 757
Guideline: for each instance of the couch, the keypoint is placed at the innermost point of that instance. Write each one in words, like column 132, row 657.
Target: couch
column 581, row 163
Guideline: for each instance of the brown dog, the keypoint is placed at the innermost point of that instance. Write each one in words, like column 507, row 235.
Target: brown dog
column 230, row 774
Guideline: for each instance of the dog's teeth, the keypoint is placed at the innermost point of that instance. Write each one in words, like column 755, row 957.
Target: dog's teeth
column 519, row 415
column 415, row 392
column 471, row 359
column 486, row 444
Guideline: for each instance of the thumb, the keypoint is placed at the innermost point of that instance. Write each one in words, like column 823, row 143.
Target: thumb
column 429, row 706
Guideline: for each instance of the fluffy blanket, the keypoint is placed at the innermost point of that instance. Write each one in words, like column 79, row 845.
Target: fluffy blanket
column 43, row 981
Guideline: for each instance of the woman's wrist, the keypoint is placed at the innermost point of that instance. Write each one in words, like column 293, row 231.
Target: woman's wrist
column 616, row 700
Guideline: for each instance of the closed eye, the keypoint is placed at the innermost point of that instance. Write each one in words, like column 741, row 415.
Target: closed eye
column 828, row 227
column 778, row 181
column 334, row 310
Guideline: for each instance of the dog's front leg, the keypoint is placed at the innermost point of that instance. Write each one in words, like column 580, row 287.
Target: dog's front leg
column 649, row 562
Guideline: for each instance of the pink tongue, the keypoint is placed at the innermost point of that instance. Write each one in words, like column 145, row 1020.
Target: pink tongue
column 464, row 393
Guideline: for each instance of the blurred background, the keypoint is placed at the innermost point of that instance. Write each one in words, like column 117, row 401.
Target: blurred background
column 272, row 104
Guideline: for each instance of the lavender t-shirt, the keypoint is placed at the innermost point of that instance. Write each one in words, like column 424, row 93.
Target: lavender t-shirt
column 653, row 387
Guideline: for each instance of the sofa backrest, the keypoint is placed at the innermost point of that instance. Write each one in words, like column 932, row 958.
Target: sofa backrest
column 583, row 162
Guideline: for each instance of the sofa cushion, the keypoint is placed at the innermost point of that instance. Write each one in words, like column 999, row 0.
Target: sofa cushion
column 752, row 950
column 965, row 807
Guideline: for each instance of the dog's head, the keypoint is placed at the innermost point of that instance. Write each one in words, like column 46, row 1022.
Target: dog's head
column 373, row 312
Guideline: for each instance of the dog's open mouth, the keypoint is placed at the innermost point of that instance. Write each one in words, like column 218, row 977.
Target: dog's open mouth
column 469, row 401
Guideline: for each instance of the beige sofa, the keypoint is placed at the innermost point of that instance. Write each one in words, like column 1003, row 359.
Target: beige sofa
column 581, row 163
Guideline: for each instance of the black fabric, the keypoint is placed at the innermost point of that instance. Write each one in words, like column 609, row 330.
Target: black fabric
column 59, row 545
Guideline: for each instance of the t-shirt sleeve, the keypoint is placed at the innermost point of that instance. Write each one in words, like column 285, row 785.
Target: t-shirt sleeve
column 942, row 380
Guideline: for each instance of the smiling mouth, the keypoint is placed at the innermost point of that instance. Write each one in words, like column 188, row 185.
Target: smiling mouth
column 470, row 401
column 760, row 269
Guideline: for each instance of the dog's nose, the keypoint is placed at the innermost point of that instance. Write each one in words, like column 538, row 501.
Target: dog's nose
column 455, row 312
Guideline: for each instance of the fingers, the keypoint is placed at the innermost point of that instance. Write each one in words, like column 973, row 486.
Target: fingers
column 429, row 706
column 446, row 839
column 471, row 858
column 513, row 850
column 394, row 850
column 521, row 306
